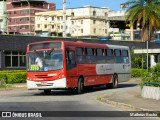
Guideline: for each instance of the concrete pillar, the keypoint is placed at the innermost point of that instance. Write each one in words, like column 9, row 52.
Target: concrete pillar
column 131, row 28
column 152, row 60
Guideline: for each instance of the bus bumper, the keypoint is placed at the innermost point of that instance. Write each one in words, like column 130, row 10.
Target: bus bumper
column 56, row 84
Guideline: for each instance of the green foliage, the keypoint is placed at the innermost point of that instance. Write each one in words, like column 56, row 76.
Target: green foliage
column 138, row 60
column 157, row 68
column 145, row 12
column 13, row 76
column 150, row 78
column 137, row 72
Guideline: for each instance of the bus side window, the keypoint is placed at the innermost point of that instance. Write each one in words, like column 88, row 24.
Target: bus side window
column 89, row 54
column 110, row 56
column 70, row 59
column 125, row 56
column 118, row 56
column 80, row 58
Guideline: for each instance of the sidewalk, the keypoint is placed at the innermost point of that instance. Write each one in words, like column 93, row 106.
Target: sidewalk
column 130, row 98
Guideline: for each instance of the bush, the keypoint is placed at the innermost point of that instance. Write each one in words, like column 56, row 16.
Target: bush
column 13, row 76
column 150, row 78
column 157, row 68
column 135, row 72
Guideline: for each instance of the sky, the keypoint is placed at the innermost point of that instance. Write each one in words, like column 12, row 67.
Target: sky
column 111, row 4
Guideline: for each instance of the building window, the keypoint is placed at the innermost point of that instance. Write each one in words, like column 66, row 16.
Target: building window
column 58, row 18
column 81, row 21
column 24, row 27
column 94, row 21
column 38, row 25
column 53, row 18
column 24, row 19
column 45, row 18
column 72, row 14
column 45, row 26
column 24, row 11
column 52, row 26
column 15, row 27
column 94, row 13
column 94, row 30
column 32, row 11
column 15, row 59
column 106, row 14
column 15, row 20
column 61, row 26
column 32, row 19
column 72, row 22
column 81, row 30
column 106, row 31
column 15, row 12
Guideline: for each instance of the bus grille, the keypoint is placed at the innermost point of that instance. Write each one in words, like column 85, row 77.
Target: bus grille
column 43, row 76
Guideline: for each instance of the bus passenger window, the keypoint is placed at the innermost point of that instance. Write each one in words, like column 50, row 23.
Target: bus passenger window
column 90, row 58
column 109, row 56
column 125, row 56
column 118, row 56
column 100, row 58
column 70, row 59
column 80, row 58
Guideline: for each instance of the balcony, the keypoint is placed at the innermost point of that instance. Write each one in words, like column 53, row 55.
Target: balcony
column 89, row 17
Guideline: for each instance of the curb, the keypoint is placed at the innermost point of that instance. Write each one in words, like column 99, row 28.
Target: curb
column 121, row 105
column 19, row 86
column 16, row 85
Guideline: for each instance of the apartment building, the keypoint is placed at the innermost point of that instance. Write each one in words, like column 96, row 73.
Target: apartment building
column 2, row 16
column 21, row 15
column 87, row 21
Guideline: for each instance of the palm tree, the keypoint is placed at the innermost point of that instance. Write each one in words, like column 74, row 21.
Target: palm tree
column 147, row 14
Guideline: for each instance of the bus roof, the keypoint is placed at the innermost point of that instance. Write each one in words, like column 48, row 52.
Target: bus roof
column 77, row 43
column 117, row 46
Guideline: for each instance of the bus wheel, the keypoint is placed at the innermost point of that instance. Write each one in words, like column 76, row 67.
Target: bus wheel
column 47, row 92
column 115, row 81
column 80, row 88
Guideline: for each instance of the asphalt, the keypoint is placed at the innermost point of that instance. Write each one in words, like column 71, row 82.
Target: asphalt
column 127, row 96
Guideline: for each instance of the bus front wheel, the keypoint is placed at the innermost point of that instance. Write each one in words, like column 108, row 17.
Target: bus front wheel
column 47, row 92
column 80, row 88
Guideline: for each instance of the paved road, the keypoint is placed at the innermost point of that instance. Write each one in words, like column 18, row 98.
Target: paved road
column 21, row 99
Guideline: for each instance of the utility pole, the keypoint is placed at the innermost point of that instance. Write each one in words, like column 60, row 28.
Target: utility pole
column 64, row 18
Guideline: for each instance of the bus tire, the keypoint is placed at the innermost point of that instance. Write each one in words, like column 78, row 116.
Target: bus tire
column 115, row 81
column 80, row 88
column 47, row 92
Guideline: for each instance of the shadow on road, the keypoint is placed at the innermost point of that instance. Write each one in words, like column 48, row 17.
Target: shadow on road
column 87, row 90
column 125, row 85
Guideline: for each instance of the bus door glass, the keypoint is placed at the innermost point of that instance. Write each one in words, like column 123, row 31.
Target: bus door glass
column 70, row 59
column 126, row 64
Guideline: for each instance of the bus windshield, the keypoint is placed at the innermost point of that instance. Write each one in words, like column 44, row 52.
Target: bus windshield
column 45, row 60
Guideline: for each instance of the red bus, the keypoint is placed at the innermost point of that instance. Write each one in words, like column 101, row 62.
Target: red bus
column 64, row 64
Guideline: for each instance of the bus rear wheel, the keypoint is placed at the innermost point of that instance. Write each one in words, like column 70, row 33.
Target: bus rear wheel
column 114, row 83
column 80, row 88
column 47, row 92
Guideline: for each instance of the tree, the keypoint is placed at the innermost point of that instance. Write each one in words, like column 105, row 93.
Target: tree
column 147, row 14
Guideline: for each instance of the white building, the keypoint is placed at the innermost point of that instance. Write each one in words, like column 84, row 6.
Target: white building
column 2, row 15
column 86, row 21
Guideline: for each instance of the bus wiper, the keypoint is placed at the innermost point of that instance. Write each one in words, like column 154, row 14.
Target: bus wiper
column 49, row 53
